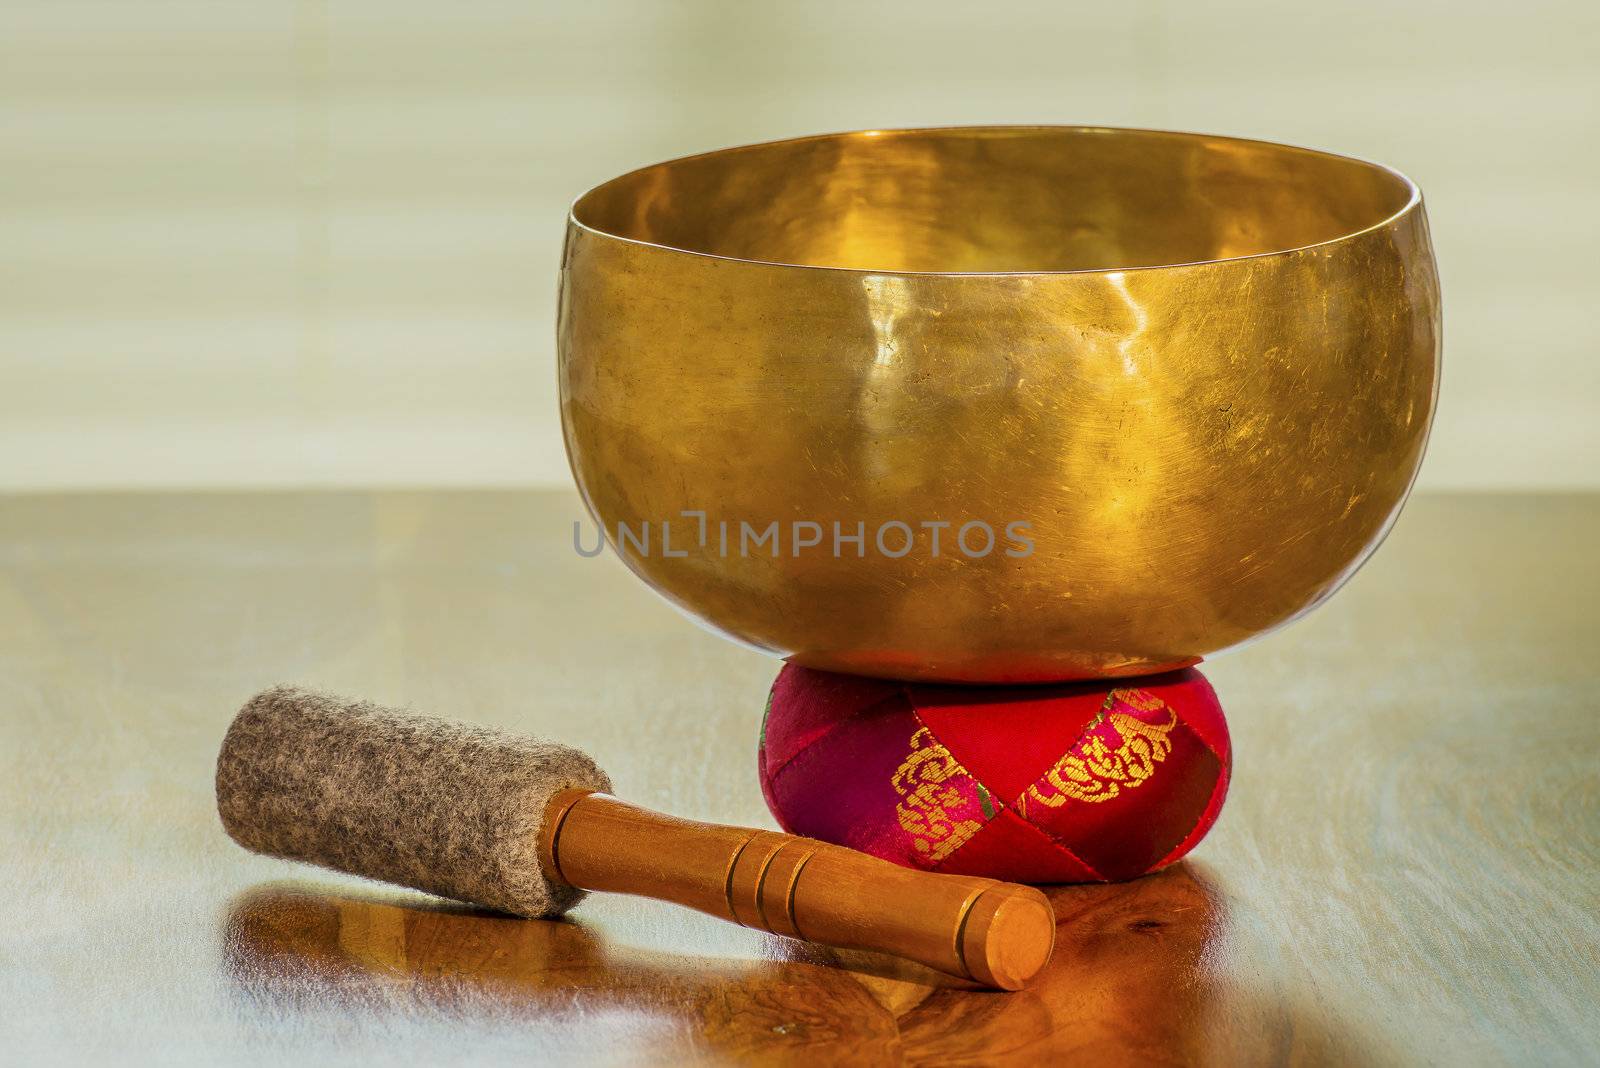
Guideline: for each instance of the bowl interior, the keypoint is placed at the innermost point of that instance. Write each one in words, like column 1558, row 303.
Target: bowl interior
column 997, row 199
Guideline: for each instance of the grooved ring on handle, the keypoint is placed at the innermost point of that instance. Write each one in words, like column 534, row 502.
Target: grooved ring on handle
column 727, row 878
column 776, row 889
column 550, row 842
column 747, row 877
column 960, row 938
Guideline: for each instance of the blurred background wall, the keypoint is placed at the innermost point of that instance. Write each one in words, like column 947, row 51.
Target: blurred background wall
column 273, row 243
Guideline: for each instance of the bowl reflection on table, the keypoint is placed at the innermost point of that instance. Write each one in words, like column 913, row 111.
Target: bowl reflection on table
column 1183, row 382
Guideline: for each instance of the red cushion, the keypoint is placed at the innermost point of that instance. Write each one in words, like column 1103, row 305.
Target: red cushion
column 1066, row 783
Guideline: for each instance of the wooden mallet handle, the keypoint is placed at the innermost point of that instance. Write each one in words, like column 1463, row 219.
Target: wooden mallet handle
column 994, row 933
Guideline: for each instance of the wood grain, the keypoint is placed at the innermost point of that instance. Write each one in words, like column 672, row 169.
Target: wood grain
column 1407, row 870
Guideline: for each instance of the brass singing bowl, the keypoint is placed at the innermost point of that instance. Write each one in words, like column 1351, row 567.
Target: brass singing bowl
column 1201, row 370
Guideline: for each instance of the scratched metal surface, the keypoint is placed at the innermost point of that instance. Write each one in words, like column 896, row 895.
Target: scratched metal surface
column 1407, row 871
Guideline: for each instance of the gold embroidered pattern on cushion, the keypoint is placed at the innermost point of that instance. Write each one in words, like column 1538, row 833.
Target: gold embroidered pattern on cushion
column 1094, row 771
column 934, row 809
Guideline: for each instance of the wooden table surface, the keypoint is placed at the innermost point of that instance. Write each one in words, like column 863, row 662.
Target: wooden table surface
column 1407, row 869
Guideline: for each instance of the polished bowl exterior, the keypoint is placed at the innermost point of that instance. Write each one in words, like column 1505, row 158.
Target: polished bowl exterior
column 1201, row 451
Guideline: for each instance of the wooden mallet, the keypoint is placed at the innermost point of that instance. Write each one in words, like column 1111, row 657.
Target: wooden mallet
column 525, row 827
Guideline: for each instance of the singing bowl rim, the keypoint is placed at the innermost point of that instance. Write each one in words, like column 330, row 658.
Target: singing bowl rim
column 1413, row 197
